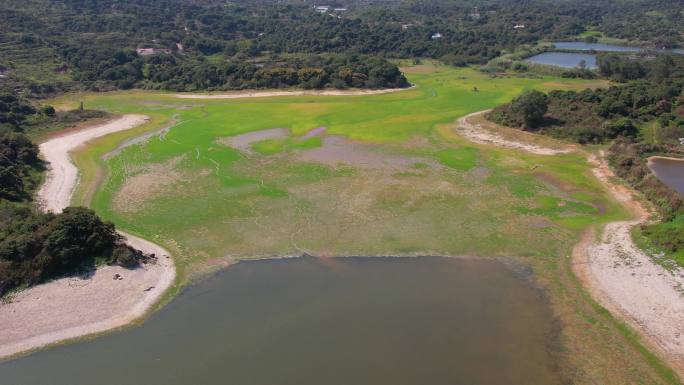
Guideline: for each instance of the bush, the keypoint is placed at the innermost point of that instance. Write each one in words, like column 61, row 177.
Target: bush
column 527, row 110
column 35, row 247
column 622, row 127
column 668, row 235
column 126, row 256
column 18, row 159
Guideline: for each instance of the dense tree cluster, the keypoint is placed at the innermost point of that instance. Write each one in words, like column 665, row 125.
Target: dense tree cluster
column 203, row 42
column 653, row 66
column 35, row 246
column 657, row 21
column 13, row 111
column 18, row 165
column 653, row 96
column 526, row 111
column 103, row 69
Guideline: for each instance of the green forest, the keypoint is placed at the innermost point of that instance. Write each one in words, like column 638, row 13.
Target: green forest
column 49, row 46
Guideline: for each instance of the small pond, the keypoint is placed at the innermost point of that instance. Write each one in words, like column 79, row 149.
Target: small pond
column 572, row 59
column 670, row 171
column 599, row 47
column 311, row 321
column 564, row 59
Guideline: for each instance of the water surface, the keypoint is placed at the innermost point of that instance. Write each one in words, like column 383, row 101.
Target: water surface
column 582, row 46
column 374, row 321
column 669, row 171
column 600, row 47
column 564, row 59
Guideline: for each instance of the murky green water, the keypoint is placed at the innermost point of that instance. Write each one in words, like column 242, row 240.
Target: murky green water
column 350, row 321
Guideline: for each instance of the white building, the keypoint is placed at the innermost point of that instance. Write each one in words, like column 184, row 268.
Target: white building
column 152, row 51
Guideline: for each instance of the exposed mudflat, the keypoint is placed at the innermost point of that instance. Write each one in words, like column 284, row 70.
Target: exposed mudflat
column 243, row 142
column 337, row 151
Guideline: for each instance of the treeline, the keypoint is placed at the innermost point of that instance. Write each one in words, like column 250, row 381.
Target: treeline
column 103, row 69
column 19, row 166
column 644, row 117
column 659, row 22
column 49, row 46
column 653, row 97
column 36, row 246
column 650, row 65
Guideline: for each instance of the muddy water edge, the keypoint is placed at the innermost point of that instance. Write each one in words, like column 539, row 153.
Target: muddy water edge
column 428, row 320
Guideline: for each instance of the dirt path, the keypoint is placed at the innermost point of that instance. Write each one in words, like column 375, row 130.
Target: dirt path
column 628, row 282
column 55, row 194
column 618, row 274
column 72, row 307
column 265, row 94
column 478, row 134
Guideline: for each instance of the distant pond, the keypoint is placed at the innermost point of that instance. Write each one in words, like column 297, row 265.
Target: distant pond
column 599, row 47
column 564, row 59
column 572, row 59
column 313, row 321
column 669, row 171
column 581, row 46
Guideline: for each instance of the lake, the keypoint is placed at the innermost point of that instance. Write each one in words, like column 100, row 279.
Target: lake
column 572, row 59
column 581, row 46
column 564, row 59
column 301, row 321
column 599, row 47
column 670, row 171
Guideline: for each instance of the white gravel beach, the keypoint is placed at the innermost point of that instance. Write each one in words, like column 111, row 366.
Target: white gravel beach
column 72, row 307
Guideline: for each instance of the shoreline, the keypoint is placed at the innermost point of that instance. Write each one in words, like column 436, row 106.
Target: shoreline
column 616, row 273
column 665, row 157
column 76, row 307
column 625, row 280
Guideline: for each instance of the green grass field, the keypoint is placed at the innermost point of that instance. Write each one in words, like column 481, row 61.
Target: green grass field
column 214, row 202
column 427, row 191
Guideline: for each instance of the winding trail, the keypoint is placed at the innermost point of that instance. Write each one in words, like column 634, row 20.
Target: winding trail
column 617, row 273
column 107, row 298
column 475, row 132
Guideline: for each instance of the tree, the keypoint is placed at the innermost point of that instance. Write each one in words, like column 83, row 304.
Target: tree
column 622, row 127
column 48, row 111
column 530, row 107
